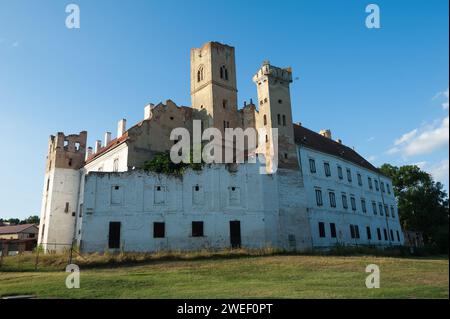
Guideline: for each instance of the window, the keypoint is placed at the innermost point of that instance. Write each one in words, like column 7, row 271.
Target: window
column 380, row 208
column 385, row 234
column 321, row 229
column 386, row 210
column 382, row 187
column 353, row 203
column 326, row 167
column 392, row 212
column 379, row 234
column 333, row 230
column 392, row 234
column 344, row 201
column 197, row 229
column 200, row 74
column 398, row 235
column 284, row 120
column 349, row 175
column 369, row 234
column 224, row 104
column 280, row 101
column 223, row 73
column 116, row 165
column 159, row 230
column 369, row 181
column 66, row 209
column 48, row 183
column 116, row 195
column 374, row 208
column 312, row 165
column 363, row 205
column 114, row 235
column 279, row 119
column 376, row 185
column 319, row 197
column 340, row 172
column 332, row 199
column 354, row 231
column 265, row 119
column 388, row 188
column 359, row 179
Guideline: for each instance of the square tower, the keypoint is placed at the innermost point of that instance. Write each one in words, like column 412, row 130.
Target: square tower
column 213, row 84
column 274, row 103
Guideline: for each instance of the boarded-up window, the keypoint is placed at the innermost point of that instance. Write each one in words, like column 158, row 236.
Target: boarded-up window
column 159, row 229
column 159, row 195
column 116, row 195
column 197, row 229
column 197, row 195
column 234, row 195
column 114, row 235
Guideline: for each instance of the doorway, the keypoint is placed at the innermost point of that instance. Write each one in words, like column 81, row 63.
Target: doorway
column 235, row 234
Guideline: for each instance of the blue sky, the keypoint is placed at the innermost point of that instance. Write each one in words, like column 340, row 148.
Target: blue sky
column 383, row 91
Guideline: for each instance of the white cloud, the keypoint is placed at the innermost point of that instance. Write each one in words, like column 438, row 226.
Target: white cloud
column 444, row 95
column 405, row 137
column 370, row 139
column 439, row 171
column 15, row 44
column 423, row 140
column 371, row 158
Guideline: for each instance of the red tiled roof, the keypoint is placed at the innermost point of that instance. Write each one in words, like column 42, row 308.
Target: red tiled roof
column 15, row 229
column 313, row 140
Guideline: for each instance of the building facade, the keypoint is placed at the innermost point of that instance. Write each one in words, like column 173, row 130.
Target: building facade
column 101, row 199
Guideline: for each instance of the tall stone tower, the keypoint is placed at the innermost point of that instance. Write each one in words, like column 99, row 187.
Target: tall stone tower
column 66, row 155
column 274, row 104
column 213, row 84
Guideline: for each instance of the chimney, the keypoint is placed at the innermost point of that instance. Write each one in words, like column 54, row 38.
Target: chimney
column 107, row 138
column 148, row 111
column 326, row 133
column 339, row 141
column 121, row 127
column 98, row 145
column 89, row 152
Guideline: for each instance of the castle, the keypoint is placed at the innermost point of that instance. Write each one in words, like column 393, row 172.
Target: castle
column 322, row 194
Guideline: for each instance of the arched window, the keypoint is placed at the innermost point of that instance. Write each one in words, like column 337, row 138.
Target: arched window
column 265, row 119
column 200, row 74
column 224, row 72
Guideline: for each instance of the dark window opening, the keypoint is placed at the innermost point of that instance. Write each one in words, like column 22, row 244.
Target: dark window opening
column 321, row 229
column 379, row 234
column 159, row 230
column 66, row 209
column 333, row 230
column 284, row 120
column 369, row 234
column 197, row 229
column 114, row 235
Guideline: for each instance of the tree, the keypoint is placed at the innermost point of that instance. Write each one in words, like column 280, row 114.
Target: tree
column 422, row 203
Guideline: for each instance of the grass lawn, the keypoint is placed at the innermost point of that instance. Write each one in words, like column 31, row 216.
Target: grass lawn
column 281, row 276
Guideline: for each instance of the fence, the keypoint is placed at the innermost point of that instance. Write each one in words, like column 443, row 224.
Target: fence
column 53, row 254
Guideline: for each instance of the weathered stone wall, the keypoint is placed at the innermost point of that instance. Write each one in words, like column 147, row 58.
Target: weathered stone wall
column 213, row 195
